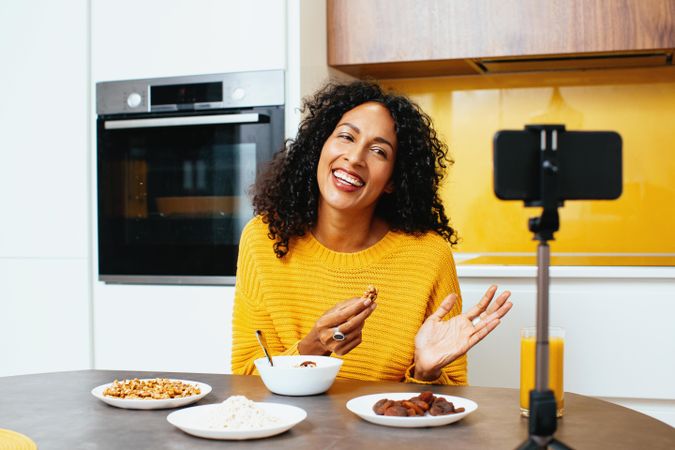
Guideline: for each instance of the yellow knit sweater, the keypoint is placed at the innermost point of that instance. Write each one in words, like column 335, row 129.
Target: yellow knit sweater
column 284, row 298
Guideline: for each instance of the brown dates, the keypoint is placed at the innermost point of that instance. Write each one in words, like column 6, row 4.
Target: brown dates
column 382, row 405
column 416, row 406
column 441, row 407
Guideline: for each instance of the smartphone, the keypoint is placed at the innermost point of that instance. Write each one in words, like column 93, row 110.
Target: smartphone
column 589, row 165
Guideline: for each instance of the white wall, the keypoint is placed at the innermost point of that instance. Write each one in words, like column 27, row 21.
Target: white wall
column 44, row 189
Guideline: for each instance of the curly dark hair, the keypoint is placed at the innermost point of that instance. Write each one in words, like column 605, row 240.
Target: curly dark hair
column 286, row 193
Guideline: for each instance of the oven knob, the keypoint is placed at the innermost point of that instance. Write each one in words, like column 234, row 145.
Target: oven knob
column 238, row 94
column 134, row 100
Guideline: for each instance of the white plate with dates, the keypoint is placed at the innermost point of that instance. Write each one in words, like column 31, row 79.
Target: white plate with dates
column 151, row 403
column 363, row 407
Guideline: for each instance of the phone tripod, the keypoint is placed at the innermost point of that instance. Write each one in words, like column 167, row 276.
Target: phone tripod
column 542, row 421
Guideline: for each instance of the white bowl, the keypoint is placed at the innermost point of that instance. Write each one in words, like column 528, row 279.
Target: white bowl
column 286, row 378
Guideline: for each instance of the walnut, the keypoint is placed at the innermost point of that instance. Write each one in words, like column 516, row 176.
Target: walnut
column 370, row 293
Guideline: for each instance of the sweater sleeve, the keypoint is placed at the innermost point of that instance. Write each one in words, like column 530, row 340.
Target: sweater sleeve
column 249, row 313
column 247, row 317
column 454, row 373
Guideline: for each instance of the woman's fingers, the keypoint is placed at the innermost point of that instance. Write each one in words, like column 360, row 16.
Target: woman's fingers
column 341, row 314
column 445, row 307
column 347, row 346
column 497, row 304
column 349, row 316
column 352, row 327
column 357, row 321
column 483, row 329
column 351, row 331
column 490, row 321
column 487, row 319
column 502, row 306
column 483, row 303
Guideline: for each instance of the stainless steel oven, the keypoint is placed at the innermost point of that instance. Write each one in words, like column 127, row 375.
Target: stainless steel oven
column 175, row 159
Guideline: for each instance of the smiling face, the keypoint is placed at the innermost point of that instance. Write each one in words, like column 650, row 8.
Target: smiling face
column 357, row 160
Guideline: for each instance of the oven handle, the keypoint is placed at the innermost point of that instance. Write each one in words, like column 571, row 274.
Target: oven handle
column 182, row 121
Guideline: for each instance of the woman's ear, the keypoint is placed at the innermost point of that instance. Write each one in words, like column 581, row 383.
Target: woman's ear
column 389, row 188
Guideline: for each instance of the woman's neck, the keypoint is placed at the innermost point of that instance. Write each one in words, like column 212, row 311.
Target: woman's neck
column 348, row 233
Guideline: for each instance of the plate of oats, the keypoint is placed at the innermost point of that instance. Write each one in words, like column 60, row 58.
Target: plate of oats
column 151, row 393
column 237, row 418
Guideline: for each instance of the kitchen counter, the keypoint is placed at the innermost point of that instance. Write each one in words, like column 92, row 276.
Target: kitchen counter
column 567, row 266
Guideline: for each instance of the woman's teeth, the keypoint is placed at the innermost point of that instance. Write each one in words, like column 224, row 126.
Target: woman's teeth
column 344, row 176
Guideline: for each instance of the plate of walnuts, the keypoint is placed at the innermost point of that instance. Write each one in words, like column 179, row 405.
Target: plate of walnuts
column 411, row 409
column 151, row 393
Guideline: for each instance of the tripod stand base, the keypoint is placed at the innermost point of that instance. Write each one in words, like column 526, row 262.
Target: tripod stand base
column 542, row 422
column 540, row 442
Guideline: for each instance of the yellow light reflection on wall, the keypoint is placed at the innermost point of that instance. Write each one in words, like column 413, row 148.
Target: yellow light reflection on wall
column 637, row 103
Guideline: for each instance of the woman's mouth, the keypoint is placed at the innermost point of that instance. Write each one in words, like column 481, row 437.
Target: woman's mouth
column 347, row 181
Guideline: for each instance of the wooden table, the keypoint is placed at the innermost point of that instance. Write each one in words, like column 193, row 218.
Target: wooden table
column 57, row 411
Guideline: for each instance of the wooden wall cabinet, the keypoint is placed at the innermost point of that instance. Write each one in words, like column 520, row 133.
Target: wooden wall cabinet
column 405, row 38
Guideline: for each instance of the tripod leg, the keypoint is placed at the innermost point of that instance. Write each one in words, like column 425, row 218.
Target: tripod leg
column 557, row 445
column 530, row 444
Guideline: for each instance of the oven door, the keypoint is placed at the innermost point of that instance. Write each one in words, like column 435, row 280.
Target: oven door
column 172, row 192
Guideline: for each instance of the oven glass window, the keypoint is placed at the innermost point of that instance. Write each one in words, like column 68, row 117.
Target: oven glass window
column 174, row 199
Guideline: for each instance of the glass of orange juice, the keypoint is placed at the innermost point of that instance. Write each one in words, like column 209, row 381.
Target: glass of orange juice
column 556, row 347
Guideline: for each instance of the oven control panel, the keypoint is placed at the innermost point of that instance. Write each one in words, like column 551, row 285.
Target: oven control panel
column 200, row 92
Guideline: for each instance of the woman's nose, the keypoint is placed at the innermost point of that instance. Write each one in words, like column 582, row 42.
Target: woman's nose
column 355, row 155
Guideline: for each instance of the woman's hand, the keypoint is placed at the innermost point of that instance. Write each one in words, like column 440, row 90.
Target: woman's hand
column 349, row 316
column 440, row 342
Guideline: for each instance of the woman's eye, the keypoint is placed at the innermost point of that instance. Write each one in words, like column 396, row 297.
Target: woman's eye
column 380, row 152
column 347, row 137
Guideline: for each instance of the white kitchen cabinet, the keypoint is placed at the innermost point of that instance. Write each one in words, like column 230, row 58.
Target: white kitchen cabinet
column 44, row 123
column 160, row 38
column 170, row 328
column 44, row 319
column 44, row 188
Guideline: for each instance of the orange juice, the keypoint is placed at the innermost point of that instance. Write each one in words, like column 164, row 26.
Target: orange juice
column 556, row 346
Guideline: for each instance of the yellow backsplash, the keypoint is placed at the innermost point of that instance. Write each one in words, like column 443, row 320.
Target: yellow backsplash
column 637, row 103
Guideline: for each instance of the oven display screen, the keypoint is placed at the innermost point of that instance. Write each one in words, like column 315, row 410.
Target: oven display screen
column 177, row 94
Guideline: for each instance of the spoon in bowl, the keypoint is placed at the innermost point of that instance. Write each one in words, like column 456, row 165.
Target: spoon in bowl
column 263, row 344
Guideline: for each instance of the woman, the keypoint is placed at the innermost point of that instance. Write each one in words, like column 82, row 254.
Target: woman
column 353, row 201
